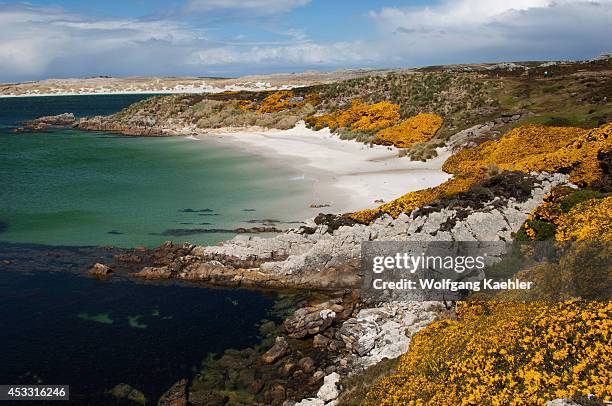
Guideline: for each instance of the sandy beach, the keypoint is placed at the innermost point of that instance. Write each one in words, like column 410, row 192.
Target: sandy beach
column 347, row 175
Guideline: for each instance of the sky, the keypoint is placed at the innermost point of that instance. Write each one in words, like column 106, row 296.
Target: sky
column 74, row 38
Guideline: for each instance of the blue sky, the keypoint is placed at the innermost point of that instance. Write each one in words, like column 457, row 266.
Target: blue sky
column 68, row 38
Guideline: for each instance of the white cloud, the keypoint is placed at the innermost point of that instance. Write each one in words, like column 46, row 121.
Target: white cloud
column 258, row 7
column 303, row 54
column 45, row 42
column 470, row 30
column 41, row 41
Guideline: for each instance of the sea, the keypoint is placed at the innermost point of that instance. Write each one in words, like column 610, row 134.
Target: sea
column 74, row 192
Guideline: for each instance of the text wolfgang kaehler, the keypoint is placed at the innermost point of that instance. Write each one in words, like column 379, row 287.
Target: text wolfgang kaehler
column 409, row 265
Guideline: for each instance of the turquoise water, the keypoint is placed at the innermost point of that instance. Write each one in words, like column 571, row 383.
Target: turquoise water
column 69, row 187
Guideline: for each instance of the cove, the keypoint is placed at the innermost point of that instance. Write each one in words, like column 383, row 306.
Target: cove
column 68, row 187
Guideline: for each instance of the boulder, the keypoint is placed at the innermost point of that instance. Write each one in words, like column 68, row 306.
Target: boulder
column 100, row 270
column 175, row 396
column 562, row 402
column 278, row 351
column 149, row 272
column 306, row 364
column 320, row 341
column 311, row 320
column 311, row 402
column 127, row 392
column 317, row 376
column 329, row 391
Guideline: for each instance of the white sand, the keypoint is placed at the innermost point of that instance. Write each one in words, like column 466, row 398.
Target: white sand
column 179, row 89
column 347, row 175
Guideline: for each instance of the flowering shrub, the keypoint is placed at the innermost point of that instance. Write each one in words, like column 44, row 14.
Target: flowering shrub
column 590, row 220
column 540, row 148
column 419, row 128
column 505, row 353
column 280, row 101
column 246, row 105
column 567, row 214
column 359, row 116
column 419, row 198
column 541, row 223
column 277, row 101
column 525, row 149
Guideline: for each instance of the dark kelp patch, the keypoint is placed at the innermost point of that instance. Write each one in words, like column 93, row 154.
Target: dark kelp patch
column 179, row 232
column 189, row 210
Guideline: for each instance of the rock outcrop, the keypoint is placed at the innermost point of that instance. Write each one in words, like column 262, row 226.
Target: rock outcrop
column 562, row 402
column 175, row 396
column 385, row 331
column 309, row 321
column 327, row 394
column 140, row 126
column 124, row 392
column 325, row 254
column 278, row 351
column 470, row 137
column 45, row 123
column 100, row 270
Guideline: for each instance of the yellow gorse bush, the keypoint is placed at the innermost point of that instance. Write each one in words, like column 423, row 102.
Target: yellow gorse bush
column 280, row 101
column 277, row 101
column 501, row 353
column 539, row 149
column 420, row 198
column 527, row 148
column 359, row 116
column 590, row 220
column 514, row 353
column 549, row 211
column 419, row 128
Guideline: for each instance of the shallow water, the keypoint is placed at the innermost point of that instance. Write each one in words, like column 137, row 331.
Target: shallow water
column 71, row 187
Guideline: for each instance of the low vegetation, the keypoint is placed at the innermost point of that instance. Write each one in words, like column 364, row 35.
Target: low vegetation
column 280, row 110
column 570, row 214
column 220, row 114
column 530, row 148
column 539, row 148
column 358, row 117
column 500, row 353
column 419, row 128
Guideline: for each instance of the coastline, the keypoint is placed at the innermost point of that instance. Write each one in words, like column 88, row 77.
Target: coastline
column 186, row 90
column 347, row 175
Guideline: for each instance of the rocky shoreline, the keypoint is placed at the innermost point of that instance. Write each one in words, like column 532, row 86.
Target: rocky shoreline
column 43, row 124
column 307, row 359
column 324, row 342
column 324, row 254
column 145, row 127
column 337, row 334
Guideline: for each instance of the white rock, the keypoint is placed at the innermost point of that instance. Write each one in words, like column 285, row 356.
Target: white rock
column 327, row 314
column 311, row 402
column 561, row 402
column 329, row 391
